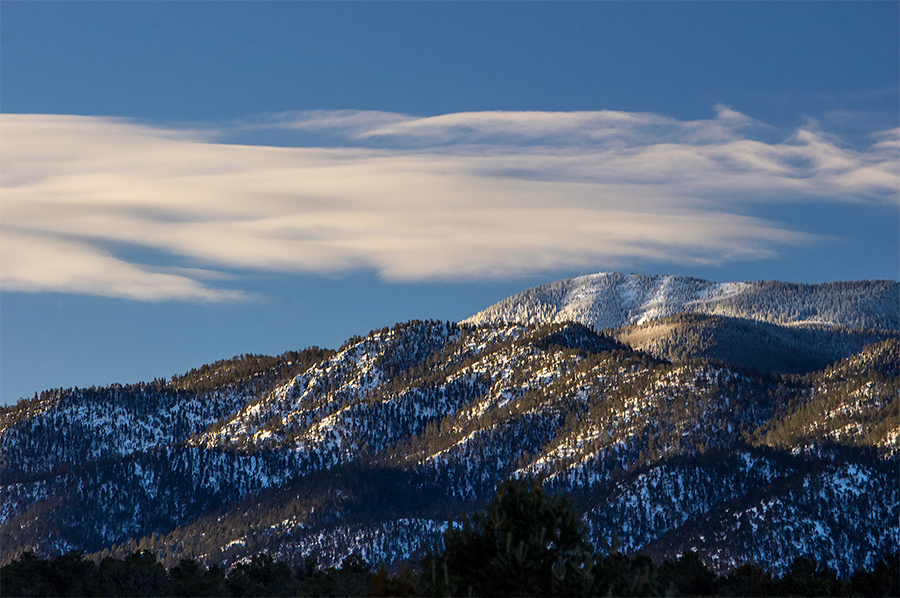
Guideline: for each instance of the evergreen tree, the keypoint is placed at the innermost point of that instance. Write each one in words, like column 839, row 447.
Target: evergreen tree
column 188, row 578
column 525, row 543
column 139, row 574
column 262, row 576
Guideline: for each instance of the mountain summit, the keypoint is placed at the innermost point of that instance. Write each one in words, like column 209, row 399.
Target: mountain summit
column 612, row 299
column 746, row 421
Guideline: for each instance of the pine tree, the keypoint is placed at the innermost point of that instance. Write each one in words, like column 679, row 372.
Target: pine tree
column 526, row 543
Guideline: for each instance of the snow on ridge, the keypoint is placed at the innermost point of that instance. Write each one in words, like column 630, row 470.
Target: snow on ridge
column 613, row 299
column 606, row 299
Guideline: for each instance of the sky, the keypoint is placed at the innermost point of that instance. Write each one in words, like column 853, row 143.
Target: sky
column 187, row 181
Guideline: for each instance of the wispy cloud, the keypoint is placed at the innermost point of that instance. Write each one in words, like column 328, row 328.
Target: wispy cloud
column 469, row 195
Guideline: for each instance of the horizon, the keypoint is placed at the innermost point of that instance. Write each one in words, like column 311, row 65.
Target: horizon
column 188, row 182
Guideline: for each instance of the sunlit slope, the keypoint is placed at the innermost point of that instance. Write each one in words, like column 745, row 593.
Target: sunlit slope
column 612, row 299
column 382, row 443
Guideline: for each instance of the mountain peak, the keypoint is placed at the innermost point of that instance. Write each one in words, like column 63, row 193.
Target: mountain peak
column 743, row 439
column 613, row 299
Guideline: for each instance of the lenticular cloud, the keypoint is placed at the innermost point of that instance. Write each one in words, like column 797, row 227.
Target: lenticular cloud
column 90, row 203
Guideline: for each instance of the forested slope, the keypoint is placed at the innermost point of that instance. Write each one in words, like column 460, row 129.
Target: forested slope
column 379, row 446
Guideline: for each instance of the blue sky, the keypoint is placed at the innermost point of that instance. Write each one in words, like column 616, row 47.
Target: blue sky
column 183, row 182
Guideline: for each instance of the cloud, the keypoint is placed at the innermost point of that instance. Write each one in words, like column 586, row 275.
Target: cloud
column 350, row 123
column 613, row 128
column 90, row 203
column 38, row 263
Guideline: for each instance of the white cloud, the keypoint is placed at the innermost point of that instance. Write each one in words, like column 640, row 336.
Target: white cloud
column 347, row 122
column 468, row 195
column 38, row 263
column 610, row 127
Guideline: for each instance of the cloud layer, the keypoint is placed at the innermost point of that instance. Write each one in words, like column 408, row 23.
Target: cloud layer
column 108, row 207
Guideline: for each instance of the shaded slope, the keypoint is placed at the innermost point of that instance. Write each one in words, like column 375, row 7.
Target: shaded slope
column 388, row 438
column 759, row 346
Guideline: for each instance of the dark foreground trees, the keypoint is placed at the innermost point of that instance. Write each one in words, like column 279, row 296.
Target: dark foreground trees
column 525, row 543
column 140, row 574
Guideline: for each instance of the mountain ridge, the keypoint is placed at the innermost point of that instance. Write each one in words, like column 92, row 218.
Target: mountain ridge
column 377, row 447
column 612, row 299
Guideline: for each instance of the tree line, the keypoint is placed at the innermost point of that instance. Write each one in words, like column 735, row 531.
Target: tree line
column 524, row 543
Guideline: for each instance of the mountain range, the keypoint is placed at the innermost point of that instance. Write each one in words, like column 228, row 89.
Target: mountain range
column 750, row 422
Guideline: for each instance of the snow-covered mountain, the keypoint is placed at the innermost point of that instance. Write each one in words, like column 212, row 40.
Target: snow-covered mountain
column 378, row 446
column 612, row 299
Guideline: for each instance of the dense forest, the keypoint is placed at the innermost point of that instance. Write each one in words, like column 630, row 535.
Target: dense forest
column 378, row 447
column 524, row 543
column 748, row 442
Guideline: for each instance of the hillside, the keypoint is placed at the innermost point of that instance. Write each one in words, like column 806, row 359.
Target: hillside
column 612, row 299
column 378, row 447
column 746, row 343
